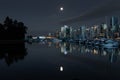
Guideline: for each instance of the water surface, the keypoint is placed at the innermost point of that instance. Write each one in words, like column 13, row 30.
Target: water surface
column 58, row 61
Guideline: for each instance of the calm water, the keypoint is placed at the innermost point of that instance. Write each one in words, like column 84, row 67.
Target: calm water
column 65, row 61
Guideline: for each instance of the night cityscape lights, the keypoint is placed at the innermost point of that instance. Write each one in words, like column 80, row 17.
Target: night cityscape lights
column 103, row 35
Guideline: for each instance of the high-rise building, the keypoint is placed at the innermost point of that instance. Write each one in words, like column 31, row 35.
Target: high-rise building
column 114, row 24
column 114, row 27
column 104, row 30
column 62, row 34
column 82, row 34
column 66, row 32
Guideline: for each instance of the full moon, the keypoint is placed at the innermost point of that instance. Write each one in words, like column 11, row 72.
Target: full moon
column 61, row 8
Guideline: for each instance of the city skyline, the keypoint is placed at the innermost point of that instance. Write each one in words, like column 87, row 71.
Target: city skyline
column 44, row 14
column 108, row 29
column 59, row 39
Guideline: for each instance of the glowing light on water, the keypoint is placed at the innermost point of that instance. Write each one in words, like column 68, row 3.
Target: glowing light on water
column 61, row 68
column 65, row 52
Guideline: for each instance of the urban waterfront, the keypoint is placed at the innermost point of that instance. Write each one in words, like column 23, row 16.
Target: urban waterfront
column 67, row 54
column 60, row 40
column 75, row 54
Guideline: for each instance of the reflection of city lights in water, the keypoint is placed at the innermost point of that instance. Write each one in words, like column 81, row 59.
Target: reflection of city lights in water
column 87, row 50
column 104, row 53
column 61, row 68
column 119, row 53
column 95, row 51
column 65, row 52
column 49, row 44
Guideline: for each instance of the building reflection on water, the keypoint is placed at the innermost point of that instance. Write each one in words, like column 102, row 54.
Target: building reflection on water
column 68, row 48
column 12, row 53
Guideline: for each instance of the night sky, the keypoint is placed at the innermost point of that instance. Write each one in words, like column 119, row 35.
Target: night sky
column 44, row 16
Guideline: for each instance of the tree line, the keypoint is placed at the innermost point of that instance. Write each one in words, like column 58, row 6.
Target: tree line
column 12, row 30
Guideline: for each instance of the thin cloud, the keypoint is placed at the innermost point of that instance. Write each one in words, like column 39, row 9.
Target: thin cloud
column 103, row 10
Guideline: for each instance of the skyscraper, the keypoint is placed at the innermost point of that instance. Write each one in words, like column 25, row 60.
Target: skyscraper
column 83, row 30
column 114, row 26
column 66, row 32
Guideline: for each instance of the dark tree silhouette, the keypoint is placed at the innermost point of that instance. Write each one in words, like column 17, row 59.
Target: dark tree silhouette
column 12, row 30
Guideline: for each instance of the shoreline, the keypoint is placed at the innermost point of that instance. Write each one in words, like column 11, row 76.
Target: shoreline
column 12, row 41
